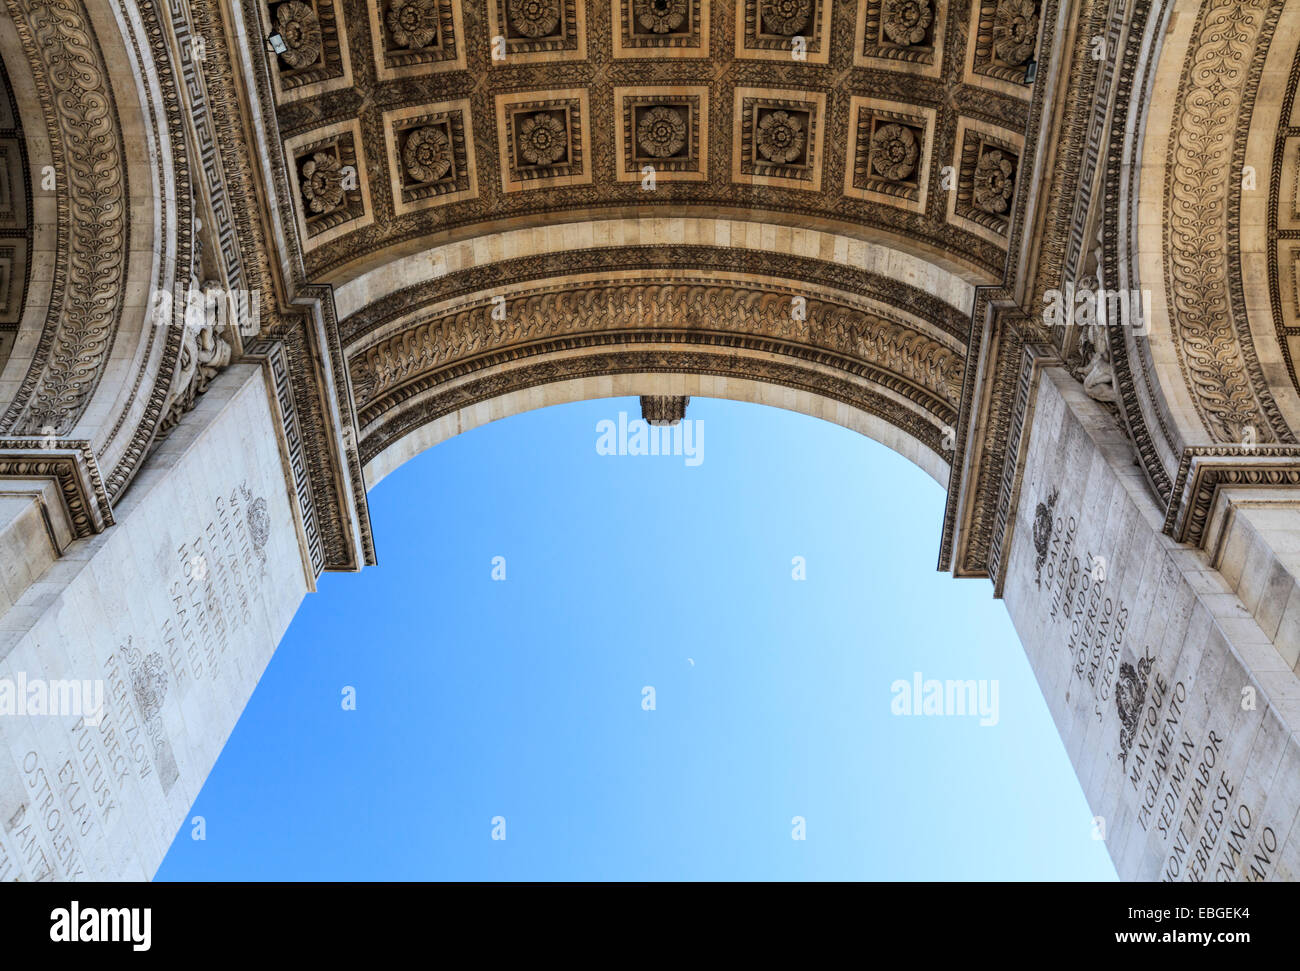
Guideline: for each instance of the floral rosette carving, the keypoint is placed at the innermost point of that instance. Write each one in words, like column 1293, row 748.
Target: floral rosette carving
column 299, row 28
column 413, row 23
column 906, row 21
column 993, row 182
column 427, row 154
column 894, row 151
column 780, row 137
column 322, row 182
column 785, row 17
column 542, row 139
column 1015, row 30
column 661, row 132
column 534, row 18
column 660, row 16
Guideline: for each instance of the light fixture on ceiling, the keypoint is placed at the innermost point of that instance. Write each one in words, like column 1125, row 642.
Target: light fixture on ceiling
column 275, row 44
column 1031, row 71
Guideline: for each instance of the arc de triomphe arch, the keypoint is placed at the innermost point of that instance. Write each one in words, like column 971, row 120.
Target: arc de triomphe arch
column 254, row 254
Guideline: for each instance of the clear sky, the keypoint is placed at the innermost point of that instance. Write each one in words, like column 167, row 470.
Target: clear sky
column 524, row 698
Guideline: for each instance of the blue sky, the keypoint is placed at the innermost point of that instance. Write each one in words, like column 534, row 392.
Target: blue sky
column 480, row 700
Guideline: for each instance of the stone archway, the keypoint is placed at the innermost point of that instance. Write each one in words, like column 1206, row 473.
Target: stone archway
column 834, row 211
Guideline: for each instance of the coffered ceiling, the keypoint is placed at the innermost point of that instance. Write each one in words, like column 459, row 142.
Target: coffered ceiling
column 410, row 121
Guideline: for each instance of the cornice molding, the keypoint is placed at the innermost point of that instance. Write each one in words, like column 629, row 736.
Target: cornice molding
column 73, row 467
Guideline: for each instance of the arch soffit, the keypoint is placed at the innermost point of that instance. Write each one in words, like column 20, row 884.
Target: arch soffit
column 510, row 403
column 421, row 333
column 1213, row 365
column 89, row 367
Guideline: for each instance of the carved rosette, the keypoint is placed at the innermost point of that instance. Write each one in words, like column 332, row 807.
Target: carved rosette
column 660, row 16
column 299, row 27
column 413, row 24
column 428, row 154
column 894, row 152
column 780, row 137
column 534, row 18
column 1015, row 30
column 905, row 22
column 785, row 18
column 542, row 139
column 322, row 182
column 994, row 183
column 661, row 132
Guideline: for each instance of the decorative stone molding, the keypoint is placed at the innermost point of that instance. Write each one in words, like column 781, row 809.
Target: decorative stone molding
column 778, row 29
column 902, row 35
column 1206, row 469
column 73, row 467
column 1033, row 360
column 273, row 352
column 849, row 283
column 535, row 31
column 90, row 270
column 660, row 28
column 664, row 128
column 899, row 357
column 663, row 409
column 1207, row 317
column 547, row 366
column 777, row 140
column 890, row 148
column 1146, row 419
column 430, row 155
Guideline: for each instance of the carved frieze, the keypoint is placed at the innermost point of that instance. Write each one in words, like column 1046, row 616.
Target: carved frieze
column 857, row 389
column 929, row 367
